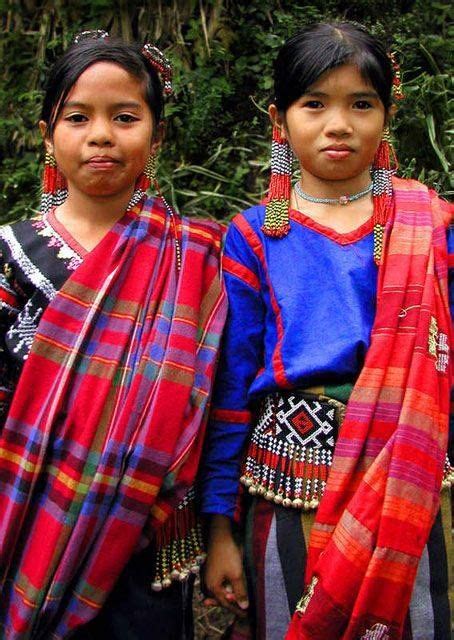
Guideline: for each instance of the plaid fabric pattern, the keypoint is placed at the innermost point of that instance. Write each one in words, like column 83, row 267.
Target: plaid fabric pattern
column 383, row 491
column 104, row 432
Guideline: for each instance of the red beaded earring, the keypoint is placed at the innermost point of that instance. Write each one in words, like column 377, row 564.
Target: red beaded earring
column 54, row 190
column 276, row 224
column 384, row 167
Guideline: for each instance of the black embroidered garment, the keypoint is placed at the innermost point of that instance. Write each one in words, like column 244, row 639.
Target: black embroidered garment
column 36, row 258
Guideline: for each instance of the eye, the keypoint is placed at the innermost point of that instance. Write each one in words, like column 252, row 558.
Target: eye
column 362, row 105
column 126, row 118
column 313, row 104
column 76, row 118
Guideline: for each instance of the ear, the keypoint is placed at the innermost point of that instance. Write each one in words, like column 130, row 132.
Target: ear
column 277, row 119
column 390, row 114
column 46, row 139
column 158, row 138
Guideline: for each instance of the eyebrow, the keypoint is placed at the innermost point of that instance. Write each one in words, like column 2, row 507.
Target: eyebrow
column 355, row 94
column 117, row 105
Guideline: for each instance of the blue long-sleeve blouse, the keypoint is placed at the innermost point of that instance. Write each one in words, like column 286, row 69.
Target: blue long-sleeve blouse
column 301, row 310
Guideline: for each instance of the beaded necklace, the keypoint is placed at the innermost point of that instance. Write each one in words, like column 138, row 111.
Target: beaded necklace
column 344, row 199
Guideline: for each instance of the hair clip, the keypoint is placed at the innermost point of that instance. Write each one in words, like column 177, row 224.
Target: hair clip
column 397, row 78
column 161, row 64
column 94, row 34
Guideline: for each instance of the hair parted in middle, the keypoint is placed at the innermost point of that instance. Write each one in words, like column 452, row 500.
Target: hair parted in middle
column 301, row 61
column 324, row 46
column 82, row 55
column 148, row 64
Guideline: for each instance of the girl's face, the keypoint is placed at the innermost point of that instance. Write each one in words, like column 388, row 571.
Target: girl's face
column 104, row 133
column 335, row 128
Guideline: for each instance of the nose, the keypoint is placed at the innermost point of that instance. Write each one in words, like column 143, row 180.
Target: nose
column 100, row 133
column 338, row 123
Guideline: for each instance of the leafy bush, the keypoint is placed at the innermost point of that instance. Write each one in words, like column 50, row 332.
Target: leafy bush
column 216, row 156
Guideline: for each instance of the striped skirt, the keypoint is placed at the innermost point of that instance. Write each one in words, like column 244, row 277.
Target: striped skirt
column 275, row 556
column 288, row 462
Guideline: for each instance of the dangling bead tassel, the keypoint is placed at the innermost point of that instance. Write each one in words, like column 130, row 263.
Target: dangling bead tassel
column 54, row 188
column 276, row 223
column 384, row 166
column 144, row 182
column 180, row 545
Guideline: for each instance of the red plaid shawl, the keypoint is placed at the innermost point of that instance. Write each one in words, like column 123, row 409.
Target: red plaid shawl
column 383, row 490
column 110, row 405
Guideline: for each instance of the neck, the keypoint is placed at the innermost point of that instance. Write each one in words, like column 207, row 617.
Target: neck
column 321, row 188
column 88, row 219
column 97, row 212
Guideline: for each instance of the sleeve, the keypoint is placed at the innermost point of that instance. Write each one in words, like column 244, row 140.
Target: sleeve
column 241, row 358
column 11, row 302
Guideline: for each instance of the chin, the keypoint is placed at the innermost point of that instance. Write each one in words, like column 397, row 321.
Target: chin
column 342, row 173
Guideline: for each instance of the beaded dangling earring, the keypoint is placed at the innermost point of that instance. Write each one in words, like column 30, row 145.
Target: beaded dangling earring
column 276, row 223
column 54, row 190
column 144, row 181
column 383, row 168
column 147, row 179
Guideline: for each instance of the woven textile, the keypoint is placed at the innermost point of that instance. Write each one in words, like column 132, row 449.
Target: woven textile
column 383, row 490
column 105, row 429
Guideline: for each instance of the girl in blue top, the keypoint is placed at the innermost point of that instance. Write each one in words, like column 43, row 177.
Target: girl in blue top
column 301, row 275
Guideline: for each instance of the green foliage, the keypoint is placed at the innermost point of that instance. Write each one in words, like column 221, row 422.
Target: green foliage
column 216, row 155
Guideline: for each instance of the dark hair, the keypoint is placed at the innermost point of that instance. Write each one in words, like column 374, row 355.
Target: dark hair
column 324, row 46
column 67, row 70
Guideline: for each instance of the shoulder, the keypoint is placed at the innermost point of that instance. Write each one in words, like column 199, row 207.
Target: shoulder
column 245, row 240
column 21, row 234
column 19, row 227
column 246, row 228
column 251, row 219
column 205, row 230
column 197, row 230
column 408, row 184
column 442, row 210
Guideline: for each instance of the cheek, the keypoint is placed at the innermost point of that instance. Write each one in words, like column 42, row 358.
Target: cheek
column 375, row 143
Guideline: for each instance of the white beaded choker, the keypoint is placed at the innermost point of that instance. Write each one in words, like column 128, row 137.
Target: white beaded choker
column 345, row 199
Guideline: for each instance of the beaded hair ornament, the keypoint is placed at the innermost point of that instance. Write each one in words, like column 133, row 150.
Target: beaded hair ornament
column 54, row 187
column 276, row 224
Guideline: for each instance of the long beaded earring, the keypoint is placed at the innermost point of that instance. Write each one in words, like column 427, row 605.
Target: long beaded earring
column 276, row 224
column 147, row 179
column 54, row 189
column 384, row 167
column 144, row 181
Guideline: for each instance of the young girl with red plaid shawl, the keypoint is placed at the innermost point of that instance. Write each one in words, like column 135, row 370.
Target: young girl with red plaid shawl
column 111, row 309
column 332, row 400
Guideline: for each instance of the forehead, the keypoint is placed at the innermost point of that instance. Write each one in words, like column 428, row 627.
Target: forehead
column 107, row 81
column 346, row 78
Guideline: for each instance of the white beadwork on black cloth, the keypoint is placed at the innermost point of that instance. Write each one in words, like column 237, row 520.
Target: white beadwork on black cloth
column 35, row 261
column 291, row 449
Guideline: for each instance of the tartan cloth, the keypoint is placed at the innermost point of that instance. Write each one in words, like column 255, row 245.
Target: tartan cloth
column 104, row 432
column 383, row 491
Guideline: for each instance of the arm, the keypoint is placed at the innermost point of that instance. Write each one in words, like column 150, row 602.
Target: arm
column 241, row 358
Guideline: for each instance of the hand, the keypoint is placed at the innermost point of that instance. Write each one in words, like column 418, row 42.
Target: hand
column 223, row 570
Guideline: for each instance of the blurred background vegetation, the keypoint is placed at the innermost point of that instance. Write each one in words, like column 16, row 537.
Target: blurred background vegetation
column 216, row 156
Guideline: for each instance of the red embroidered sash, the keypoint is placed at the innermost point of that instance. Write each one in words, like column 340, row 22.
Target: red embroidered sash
column 383, row 490
column 105, row 429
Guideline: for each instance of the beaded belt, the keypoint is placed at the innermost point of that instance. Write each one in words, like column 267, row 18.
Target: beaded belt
column 291, row 448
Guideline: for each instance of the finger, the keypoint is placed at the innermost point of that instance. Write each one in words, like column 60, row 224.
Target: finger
column 240, row 593
column 209, row 602
column 226, row 599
